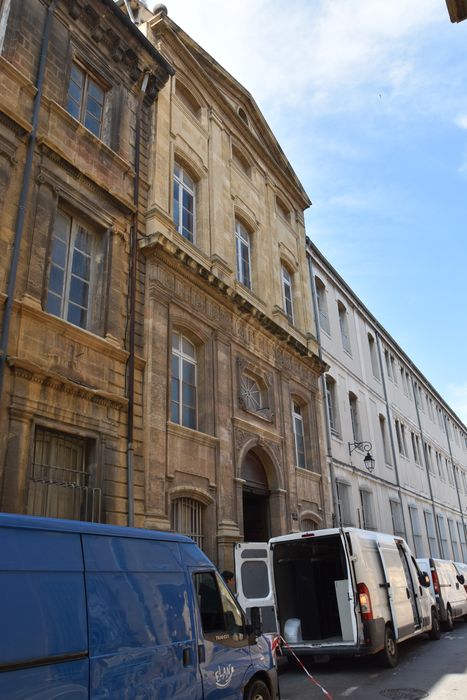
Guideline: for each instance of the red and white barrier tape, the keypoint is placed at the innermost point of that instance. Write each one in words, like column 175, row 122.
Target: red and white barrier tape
column 312, row 678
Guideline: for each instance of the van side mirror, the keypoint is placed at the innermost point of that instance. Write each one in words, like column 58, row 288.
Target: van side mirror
column 424, row 579
column 256, row 622
column 460, row 578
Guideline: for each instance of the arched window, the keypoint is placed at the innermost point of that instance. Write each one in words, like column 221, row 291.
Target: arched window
column 184, row 202
column 299, row 435
column 307, row 524
column 187, row 518
column 183, row 407
column 243, row 254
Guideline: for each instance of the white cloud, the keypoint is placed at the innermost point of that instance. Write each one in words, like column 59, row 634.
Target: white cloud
column 461, row 121
column 457, row 399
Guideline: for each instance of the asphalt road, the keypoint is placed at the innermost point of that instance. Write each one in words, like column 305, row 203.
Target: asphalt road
column 427, row 669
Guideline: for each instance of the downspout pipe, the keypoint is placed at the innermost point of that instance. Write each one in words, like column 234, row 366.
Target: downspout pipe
column 335, row 504
column 21, row 215
column 390, row 428
column 454, row 471
column 132, row 307
column 427, row 466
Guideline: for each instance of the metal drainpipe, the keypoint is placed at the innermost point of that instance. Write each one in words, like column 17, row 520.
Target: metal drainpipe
column 391, row 434
column 335, row 504
column 454, row 471
column 11, row 286
column 132, row 309
column 427, row 466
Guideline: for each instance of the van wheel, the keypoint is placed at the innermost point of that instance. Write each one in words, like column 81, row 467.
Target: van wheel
column 449, row 622
column 258, row 690
column 435, row 632
column 388, row 656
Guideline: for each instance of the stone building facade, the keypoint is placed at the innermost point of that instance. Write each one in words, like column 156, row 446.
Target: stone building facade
column 78, row 84
column 232, row 446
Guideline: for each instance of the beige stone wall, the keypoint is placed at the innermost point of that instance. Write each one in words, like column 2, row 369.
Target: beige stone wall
column 192, row 287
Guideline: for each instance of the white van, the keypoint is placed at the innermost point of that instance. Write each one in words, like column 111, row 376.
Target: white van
column 448, row 587
column 338, row 591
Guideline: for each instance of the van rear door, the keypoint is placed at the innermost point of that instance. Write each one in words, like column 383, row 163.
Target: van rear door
column 400, row 590
column 254, row 582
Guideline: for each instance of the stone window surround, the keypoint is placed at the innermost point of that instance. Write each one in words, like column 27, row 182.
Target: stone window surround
column 246, row 367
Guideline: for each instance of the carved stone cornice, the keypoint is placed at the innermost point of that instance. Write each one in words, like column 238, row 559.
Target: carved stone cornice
column 34, row 373
column 156, row 242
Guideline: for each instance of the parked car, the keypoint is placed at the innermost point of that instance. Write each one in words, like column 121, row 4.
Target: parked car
column 93, row 611
column 447, row 585
column 338, row 591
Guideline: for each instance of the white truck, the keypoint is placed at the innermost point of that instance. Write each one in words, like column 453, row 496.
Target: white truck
column 448, row 588
column 337, row 591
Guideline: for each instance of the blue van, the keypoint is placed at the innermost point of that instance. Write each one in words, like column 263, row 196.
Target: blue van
column 94, row 612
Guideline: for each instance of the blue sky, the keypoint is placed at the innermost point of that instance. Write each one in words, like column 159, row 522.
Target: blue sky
column 368, row 99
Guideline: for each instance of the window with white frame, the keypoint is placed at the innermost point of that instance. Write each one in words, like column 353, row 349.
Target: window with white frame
column 76, row 271
column 183, row 382
column 409, row 385
column 461, row 531
column 403, row 380
column 344, row 503
column 416, row 448
column 397, row 518
column 449, row 472
column 368, row 518
column 322, row 305
column 187, row 518
column 374, row 357
column 416, row 531
column 344, row 326
column 85, row 100
column 331, row 404
column 354, row 417
column 299, row 435
column 445, row 550
column 454, row 540
column 429, row 458
column 287, row 293
column 385, row 440
column 393, row 369
column 431, row 534
column 401, row 440
column 184, row 202
column 439, row 464
column 63, row 480
column 243, row 254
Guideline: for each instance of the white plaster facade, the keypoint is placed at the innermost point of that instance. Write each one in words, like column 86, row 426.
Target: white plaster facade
column 420, row 462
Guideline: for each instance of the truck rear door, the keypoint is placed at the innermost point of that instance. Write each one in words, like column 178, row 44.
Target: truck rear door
column 253, row 573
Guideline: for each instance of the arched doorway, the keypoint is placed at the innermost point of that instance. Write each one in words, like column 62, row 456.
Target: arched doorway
column 256, row 514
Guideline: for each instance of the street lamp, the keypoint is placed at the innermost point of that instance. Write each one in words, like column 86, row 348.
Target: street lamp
column 368, row 460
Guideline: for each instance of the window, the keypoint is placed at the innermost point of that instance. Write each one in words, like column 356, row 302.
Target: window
column 299, row 435
column 464, row 481
column 221, row 618
column 397, row 518
column 322, row 305
column 416, row 531
column 184, row 203
column 76, row 254
column 439, row 464
column 401, row 441
column 85, row 101
column 431, row 533
column 354, row 418
column 461, row 531
column 403, row 381
column 393, row 369
column 344, row 326
column 409, row 385
column 366, row 500
column 449, row 472
column 332, row 406
column 344, row 503
column 388, row 364
column 287, row 296
column 416, row 448
column 62, row 483
column 454, row 541
column 384, row 440
column 187, row 519
column 243, row 254
column 187, row 98
column 183, row 383
column 428, row 458
column 241, row 160
column 445, row 553
column 374, row 357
